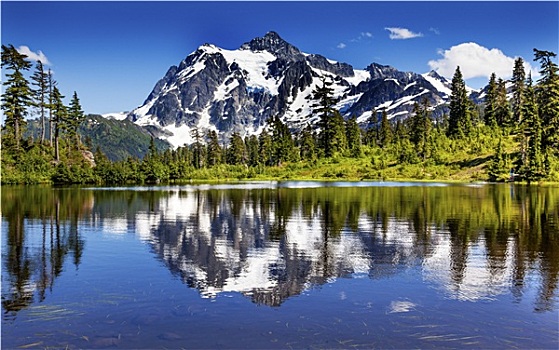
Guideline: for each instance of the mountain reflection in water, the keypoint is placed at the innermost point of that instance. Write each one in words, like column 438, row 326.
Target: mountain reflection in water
column 272, row 242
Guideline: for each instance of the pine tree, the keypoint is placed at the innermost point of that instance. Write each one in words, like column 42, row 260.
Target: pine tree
column 459, row 119
column 547, row 94
column 265, row 149
column 385, row 131
column 421, row 126
column 51, row 85
column 498, row 168
column 40, row 94
column 197, row 148
column 60, row 116
column 502, row 109
column 75, row 117
column 214, row 149
column 307, row 144
column 353, row 136
column 236, row 153
column 324, row 108
column 490, row 108
column 17, row 95
column 282, row 142
column 518, row 90
column 534, row 162
column 252, row 150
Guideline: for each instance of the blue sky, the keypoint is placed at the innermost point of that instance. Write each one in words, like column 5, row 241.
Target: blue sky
column 113, row 53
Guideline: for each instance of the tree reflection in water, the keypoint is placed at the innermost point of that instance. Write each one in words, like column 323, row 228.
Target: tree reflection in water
column 273, row 243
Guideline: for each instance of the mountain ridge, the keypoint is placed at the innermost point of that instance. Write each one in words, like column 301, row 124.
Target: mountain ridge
column 239, row 90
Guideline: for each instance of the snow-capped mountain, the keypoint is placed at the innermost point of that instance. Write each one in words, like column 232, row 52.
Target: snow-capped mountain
column 238, row 90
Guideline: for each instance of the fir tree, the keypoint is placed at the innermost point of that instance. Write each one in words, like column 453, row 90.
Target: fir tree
column 40, row 94
column 75, row 118
column 353, row 136
column 282, row 142
column 265, row 149
column 236, row 153
column 547, row 94
column 502, row 109
column 252, row 150
column 385, row 131
column 324, row 108
column 17, row 95
column 307, row 144
column 197, row 148
column 214, row 149
column 459, row 119
column 60, row 116
column 420, row 128
column 518, row 90
column 534, row 162
column 490, row 108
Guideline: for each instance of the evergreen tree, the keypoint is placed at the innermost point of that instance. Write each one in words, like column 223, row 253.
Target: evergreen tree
column 459, row 119
column 252, row 150
column 282, row 142
column 265, row 149
column 385, row 131
column 51, row 85
column 547, row 94
column 534, row 161
column 518, row 90
column 502, row 109
column 324, row 108
column 16, row 97
column 40, row 94
column 490, row 108
column 214, row 149
column 353, row 135
column 307, row 144
column 236, row 153
column 60, row 116
column 372, row 132
column 197, row 148
column 420, row 128
column 498, row 168
column 75, row 118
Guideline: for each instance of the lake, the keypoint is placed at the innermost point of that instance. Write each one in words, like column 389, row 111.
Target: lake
column 281, row 265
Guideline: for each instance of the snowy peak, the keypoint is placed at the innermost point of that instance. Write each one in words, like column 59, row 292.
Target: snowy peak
column 274, row 44
column 239, row 90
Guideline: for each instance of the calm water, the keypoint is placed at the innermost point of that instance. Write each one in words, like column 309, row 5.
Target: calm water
column 281, row 265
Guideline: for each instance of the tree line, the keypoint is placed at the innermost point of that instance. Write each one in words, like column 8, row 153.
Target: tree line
column 514, row 133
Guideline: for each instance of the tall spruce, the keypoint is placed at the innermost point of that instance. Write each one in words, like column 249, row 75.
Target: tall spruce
column 60, row 116
column 75, row 118
column 17, row 95
column 490, row 102
column 323, row 96
column 502, row 108
column 547, row 94
column 282, row 142
column 40, row 94
column 386, row 133
column 236, row 153
column 534, row 162
column 214, row 152
column 307, row 144
column 51, row 85
column 353, row 136
column 253, row 156
column 197, row 148
column 459, row 119
column 518, row 81
column 420, row 128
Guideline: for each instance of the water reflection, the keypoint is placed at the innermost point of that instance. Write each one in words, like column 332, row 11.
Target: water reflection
column 273, row 242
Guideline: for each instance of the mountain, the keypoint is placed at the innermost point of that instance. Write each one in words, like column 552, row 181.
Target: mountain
column 238, row 90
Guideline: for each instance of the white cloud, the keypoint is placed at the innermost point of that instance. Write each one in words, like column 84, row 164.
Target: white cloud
column 34, row 56
column 366, row 35
column 435, row 30
column 475, row 61
column 341, row 46
column 402, row 33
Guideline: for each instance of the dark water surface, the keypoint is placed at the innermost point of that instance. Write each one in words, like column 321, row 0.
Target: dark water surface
column 281, row 265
